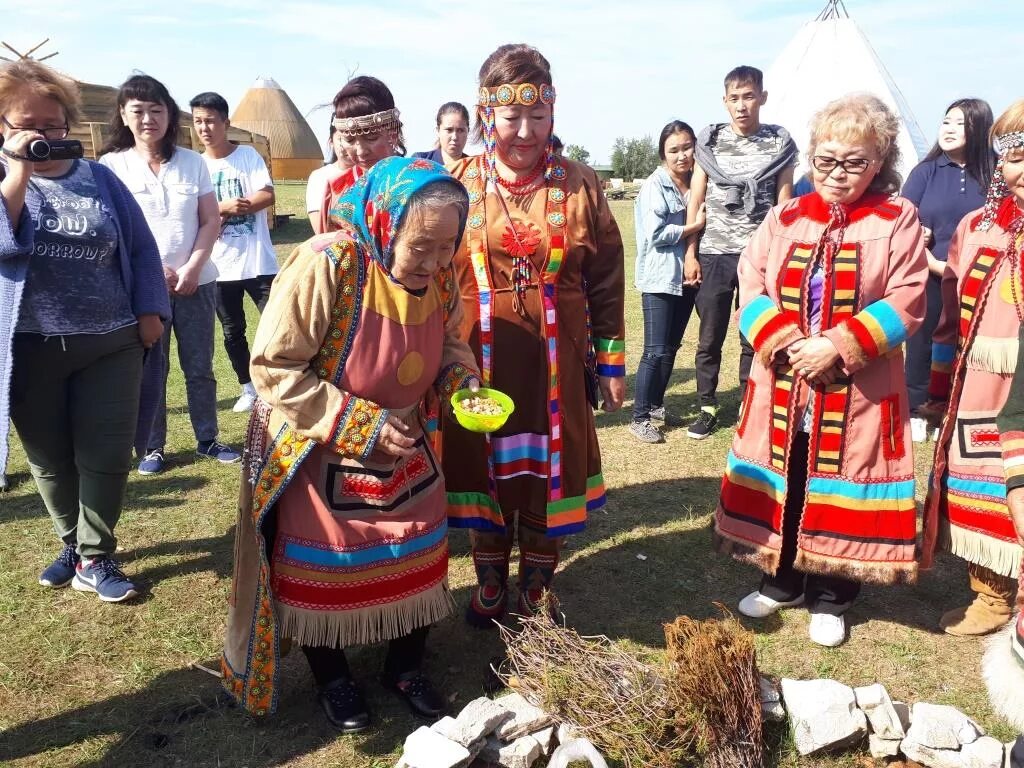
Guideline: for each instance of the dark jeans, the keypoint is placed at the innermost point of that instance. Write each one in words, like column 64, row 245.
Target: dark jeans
column 192, row 324
column 74, row 402
column 716, row 300
column 405, row 654
column 665, row 320
column 231, row 312
column 919, row 346
column 822, row 594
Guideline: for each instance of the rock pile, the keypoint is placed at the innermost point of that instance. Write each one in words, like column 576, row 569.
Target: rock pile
column 827, row 716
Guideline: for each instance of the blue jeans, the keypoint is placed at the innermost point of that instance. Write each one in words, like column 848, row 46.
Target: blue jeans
column 192, row 322
column 665, row 319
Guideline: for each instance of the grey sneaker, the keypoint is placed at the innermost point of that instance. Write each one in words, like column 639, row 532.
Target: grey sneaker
column 667, row 418
column 646, row 432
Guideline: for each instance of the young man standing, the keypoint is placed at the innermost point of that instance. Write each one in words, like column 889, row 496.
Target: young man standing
column 243, row 253
column 742, row 169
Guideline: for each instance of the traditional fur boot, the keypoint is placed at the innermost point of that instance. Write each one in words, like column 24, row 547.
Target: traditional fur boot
column 991, row 609
column 490, row 596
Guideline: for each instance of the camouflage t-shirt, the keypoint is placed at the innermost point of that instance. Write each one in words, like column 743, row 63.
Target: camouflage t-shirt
column 727, row 231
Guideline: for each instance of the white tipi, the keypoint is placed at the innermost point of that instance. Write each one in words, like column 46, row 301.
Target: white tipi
column 830, row 57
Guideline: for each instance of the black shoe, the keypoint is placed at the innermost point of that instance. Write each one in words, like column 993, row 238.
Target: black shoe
column 344, row 705
column 703, row 425
column 420, row 694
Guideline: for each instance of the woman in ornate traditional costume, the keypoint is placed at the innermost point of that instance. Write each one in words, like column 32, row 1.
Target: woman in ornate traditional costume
column 974, row 355
column 542, row 281
column 369, row 129
column 819, row 488
column 342, row 534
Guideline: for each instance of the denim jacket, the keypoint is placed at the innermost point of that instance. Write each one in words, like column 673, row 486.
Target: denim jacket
column 659, row 215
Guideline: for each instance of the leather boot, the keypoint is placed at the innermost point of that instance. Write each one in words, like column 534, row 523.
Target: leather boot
column 991, row 609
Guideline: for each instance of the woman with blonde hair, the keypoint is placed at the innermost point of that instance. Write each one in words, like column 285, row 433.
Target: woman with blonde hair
column 82, row 294
column 974, row 356
column 819, row 487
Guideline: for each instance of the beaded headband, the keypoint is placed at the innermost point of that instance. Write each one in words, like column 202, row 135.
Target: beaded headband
column 997, row 189
column 526, row 94
column 367, row 124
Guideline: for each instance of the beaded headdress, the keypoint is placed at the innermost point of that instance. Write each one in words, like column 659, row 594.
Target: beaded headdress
column 367, row 124
column 997, row 189
column 525, row 94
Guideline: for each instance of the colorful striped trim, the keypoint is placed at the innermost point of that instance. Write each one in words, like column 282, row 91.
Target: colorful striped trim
column 1013, row 459
column 831, row 403
column 752, row 495
column 877, row 329
column 569, row 515
column 781, row 423
column 549, row 297
column 974, row 287
column 474, row 510
column 324, row 557
column 760, row 320
column 881, row 513
column 521, row 454
column 611, row 357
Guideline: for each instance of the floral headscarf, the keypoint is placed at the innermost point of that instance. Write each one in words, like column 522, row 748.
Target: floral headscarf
column 374, row 207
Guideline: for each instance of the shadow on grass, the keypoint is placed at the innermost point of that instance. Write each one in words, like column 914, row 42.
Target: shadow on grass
column 224, row 404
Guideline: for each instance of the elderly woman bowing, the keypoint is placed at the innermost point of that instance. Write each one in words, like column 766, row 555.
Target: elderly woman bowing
column 342, row 535
column 819, row 488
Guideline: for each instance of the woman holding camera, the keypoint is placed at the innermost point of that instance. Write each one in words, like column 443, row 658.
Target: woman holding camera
column 82, row 294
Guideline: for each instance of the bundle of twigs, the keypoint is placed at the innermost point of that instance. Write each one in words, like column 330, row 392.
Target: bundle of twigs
column 702, row 707
column 609, row 696
column 714, row 691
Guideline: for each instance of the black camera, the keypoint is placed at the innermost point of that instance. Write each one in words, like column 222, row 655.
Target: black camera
column 41, row 150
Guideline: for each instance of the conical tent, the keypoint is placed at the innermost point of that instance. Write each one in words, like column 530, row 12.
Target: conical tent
column 828, row 58
column 266, row 109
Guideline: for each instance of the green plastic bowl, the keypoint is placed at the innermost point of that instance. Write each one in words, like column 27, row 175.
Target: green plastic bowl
column 478, row 422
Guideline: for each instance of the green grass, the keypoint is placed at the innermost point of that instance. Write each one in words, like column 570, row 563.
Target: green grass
column 87, row 684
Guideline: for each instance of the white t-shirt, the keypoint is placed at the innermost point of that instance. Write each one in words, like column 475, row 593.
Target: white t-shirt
column 170, row 201
column 316, row 187
column 243, row 249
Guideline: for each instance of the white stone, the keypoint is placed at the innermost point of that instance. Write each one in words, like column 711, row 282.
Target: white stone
column 903, row 712
column 986, row 752
column 933, row 758
column 941, row 727
column 884, row 720
column 478, row 719
column 823, row 715
column 881, row 748
column 525, row 719
column 771, row 702
column 545, row 738
column 425, row 748
column 565, row 733
column 574, row 751
column 521, row 753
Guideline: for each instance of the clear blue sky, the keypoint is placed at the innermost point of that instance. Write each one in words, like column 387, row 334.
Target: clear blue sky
column 621, row 68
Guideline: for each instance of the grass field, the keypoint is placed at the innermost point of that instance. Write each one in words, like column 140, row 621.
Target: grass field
column 88, row 684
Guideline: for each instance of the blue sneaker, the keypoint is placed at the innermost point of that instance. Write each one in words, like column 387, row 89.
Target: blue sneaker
column 61, row 571
column 103, row 576
column 218, row 451
column 152, row 463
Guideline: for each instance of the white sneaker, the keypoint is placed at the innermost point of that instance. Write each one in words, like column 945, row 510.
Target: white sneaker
column 918, row 430
column 827, row 630
column 757, row 606
column 246, row 401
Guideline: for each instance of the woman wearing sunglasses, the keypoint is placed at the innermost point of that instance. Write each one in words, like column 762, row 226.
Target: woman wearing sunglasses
column 819, row 487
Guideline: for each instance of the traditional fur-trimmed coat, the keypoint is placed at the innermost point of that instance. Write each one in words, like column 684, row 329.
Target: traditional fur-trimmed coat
column 859, row 517
column 974, row 355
